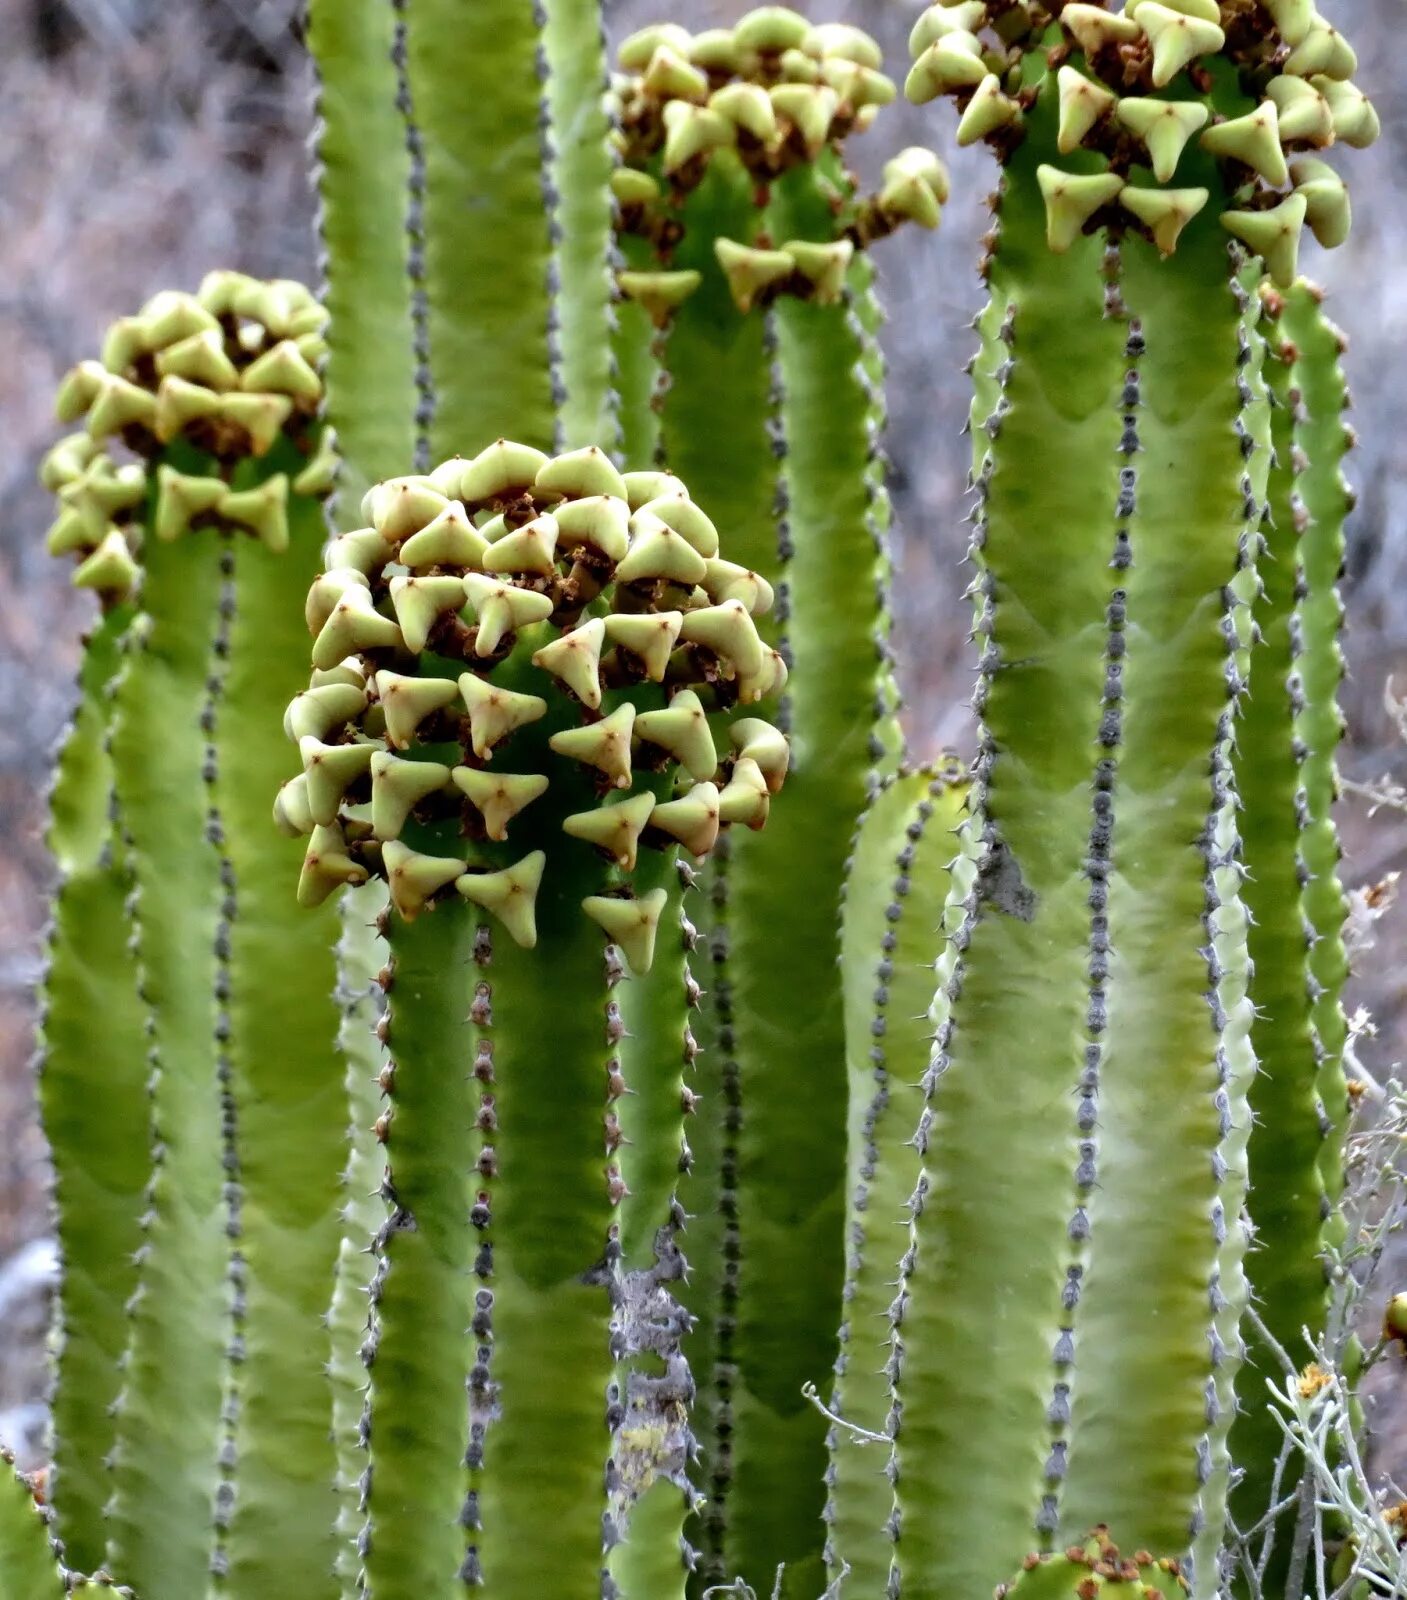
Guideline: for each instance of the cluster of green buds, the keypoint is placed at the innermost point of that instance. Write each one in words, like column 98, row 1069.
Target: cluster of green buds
column 225, row 373
column 516, row 632
column 1258, row 86
column 99, row 517
column 778, row 92
column 1096, row 1569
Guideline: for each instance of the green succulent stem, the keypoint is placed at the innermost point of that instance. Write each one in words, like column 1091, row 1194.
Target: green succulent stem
column 897, row 926
column 99, row 1188
column 370, row 368
column 164, row 1471
column 28, row 1567
column 1101, row 982
column 285, row 1084
column 475, row 99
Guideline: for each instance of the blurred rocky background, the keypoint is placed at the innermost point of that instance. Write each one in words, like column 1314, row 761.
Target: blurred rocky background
column 143, row 142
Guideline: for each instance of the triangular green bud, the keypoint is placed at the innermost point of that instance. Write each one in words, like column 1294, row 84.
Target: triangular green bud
column 397, row 787
column 317, row 712
column 749, row 108
column 769, row 30
column 126, row 341
column 415, row 879
column 1253, row 140
column 501, row 472
column 355, row 624
column 678, row 513
column 599, row 524
column 631, row 925
column 658, row 293
column 319, row 476
column 1095, row 29
column 856, row 86
column 1165, row 127
column 1083, row 103
column 117, row 404
column 643, row 487
column 420, row 602
column 511, row 895
column 1273, row 235
column 961, row 16
column 637, row 51
column 746, row 797
column 110, row 569
column 171, row 316
column 657, row 553
column 823, row 266
column 72, row 532
column 179, row 404
column 282, row 370
column 219, row 289
column 327, row 867
column 68, row 459
column 401, row 507
column 363, row 549
column 1070, row 202
column 1322, row 50
column 1177, row 40
column 729, row 631
column 575, row 659
column 954, row 62
column 681, row 730
column 810, row 108
column 1355, row 121
column 670, row 77
column 579, row 474
column 292, row 816
column 758, row 741
column 499, row 796
column 1304, row 113
column 406, row 702
column 749, row 271
column 798, row 67
column 693, row 820
column 650, row 636
column 1165, row 212
column 769, row 678
column 262, row 510
column 502, row 609
column 716, row 51
column 1204, row 10
column 1292, row 18
column 1329, row 211
column 529, row 551
column 180, row 499
column 604, row 745
column 348, row 670
column 331, row 769
column 988, row 111
column 631, row 187
column 199, row 359
column 616, row 829
column 725, row 580
column 691, row 132
column 495, row 712
column 448, row 540
column 262, row 417
column 843, row 41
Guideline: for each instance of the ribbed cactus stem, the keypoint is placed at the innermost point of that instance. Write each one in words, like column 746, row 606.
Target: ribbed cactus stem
column 29, row 1569
column 766, row 335
column 164, row 1459
column 98, row 1188
column 895, row 932
column 284, row 1086
column 215, row 394
column 1287, row 747
column 360, row 957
